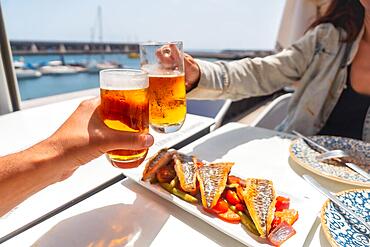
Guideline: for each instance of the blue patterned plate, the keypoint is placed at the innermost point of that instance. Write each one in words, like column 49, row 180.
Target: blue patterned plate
column 341, row 228
column 305, row 156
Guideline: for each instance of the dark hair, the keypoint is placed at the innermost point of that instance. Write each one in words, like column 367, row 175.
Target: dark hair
column 345, row 14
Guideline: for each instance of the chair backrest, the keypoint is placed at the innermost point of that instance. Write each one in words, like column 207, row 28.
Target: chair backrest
column 216, row 109
column 274, row 114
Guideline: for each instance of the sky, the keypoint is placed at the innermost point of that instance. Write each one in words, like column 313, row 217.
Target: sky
column 201, row 24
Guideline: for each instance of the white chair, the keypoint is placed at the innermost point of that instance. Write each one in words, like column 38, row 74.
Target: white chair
column 274, row 113
column 216, row 109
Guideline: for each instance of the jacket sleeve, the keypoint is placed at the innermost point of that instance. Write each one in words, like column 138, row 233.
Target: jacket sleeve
column 258, row 76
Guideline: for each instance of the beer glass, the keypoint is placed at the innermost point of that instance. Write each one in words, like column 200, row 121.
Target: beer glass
column 164, row 62
column 125, row 107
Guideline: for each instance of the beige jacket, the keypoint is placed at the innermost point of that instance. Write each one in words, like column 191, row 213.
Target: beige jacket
column 317, row 61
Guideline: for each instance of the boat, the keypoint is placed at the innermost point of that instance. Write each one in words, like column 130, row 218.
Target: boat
column 133, row 55
column 57, row 68
column 93, row 67
column 23, row 72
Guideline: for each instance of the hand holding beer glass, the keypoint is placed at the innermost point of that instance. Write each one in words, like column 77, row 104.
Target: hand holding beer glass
column 125, row 107
column 164, row 62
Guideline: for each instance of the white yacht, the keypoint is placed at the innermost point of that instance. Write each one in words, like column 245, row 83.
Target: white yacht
column 57, row 68
column 22, row 72
column 94, row 67
column 27, row 73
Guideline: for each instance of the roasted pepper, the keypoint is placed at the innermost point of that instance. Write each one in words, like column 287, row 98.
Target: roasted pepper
column 231, row 197
column 182, row 195
column 240, row 207
column 248, row 223
column 174, row 182
column 220, row 207
column 246, row 220
column 230, row 216
column 282, row 203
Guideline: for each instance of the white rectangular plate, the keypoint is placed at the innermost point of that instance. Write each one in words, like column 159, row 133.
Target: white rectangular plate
column 257, row 153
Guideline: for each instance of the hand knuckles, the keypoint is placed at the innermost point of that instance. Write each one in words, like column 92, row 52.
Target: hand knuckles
column 89, row 102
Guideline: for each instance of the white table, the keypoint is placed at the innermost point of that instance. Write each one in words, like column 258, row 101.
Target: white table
column 126, row 213
column 22, row 129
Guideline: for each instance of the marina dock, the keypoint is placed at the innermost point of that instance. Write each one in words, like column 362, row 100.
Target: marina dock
column 69, row 47
column 21, row 47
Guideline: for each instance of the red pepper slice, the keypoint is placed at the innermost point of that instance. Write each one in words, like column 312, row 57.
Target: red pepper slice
column 275, row 222
column 232, row 197
column 282, row 203
column 281, row 233
column 230, row 217
column 220, row 207
column 240, row 207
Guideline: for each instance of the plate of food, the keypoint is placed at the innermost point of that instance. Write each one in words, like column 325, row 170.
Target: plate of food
column 341, row 228
column 250, row 210
column 359, row 151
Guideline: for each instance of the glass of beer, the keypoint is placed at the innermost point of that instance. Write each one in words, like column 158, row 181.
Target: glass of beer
column 164, row 62
column 125, row 107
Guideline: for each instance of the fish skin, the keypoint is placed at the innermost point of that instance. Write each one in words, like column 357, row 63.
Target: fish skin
column 260, row 198
column 185, row 167
column 212, row 181
column 160, row 159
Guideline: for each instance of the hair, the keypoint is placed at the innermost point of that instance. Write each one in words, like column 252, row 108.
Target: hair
column 345, row 14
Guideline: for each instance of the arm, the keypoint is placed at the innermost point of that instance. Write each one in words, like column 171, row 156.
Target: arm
column 253, row 77
column 82, row 138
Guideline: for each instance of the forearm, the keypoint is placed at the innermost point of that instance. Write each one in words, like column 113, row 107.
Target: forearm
column 82, row 138
column 241, row 79
column 24, row 173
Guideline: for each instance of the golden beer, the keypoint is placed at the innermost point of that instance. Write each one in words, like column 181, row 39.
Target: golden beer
column 167, row 101
column 164, row 62
column 125, row 107
column 125, row 110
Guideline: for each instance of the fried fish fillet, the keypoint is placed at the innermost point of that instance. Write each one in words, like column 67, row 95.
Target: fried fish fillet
column 185, row 167
column 259, row 196
column 160, row 159
column 212, row 181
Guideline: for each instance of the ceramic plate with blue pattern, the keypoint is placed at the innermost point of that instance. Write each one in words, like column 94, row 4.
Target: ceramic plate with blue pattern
column 359, row 151
column 341, row 228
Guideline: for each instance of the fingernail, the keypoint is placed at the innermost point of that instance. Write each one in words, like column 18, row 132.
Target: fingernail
column 149, row 140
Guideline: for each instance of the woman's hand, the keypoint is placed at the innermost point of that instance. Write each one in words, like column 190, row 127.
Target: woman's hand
column 170, row 57
column 84, row 136
column 192, row 72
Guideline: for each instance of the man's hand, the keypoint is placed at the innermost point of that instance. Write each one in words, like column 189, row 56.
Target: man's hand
column 84, row 136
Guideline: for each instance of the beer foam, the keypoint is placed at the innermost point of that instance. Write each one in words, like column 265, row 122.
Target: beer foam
column 123, row 79
column 158, row 70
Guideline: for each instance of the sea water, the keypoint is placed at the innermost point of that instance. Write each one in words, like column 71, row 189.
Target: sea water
column 48, row 85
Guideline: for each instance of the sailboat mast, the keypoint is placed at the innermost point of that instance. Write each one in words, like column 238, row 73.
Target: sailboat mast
column 100, row 26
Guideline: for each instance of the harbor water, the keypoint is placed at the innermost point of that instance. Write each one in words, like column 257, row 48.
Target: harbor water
column 48, row 85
